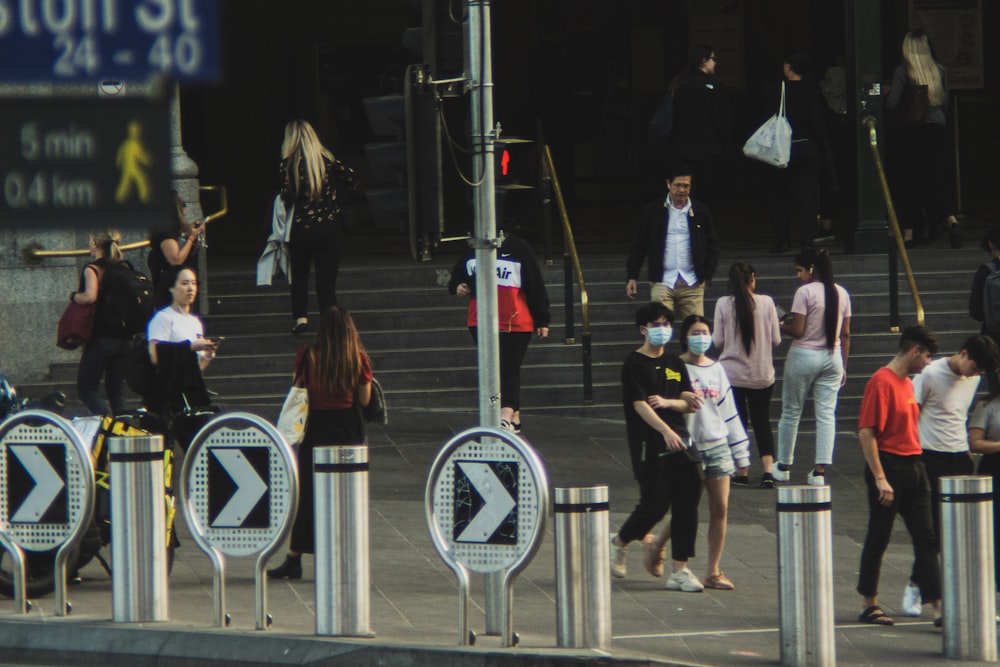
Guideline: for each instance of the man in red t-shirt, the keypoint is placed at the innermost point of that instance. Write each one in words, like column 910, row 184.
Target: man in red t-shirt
column 895, row 475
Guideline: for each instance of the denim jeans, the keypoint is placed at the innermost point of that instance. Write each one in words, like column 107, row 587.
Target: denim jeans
column 819, row 371
column 107, row 357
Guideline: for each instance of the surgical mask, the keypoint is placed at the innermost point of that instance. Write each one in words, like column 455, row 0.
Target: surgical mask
column 659, row 336
column 699, row 343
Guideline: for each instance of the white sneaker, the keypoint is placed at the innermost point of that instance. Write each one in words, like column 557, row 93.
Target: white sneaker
column 684, row 580
column 780, row 475
column 619, row 560
column 816, row 480
column 911, row 600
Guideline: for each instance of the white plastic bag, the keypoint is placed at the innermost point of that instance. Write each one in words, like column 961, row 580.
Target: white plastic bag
column 772, row 142
column 294, row 416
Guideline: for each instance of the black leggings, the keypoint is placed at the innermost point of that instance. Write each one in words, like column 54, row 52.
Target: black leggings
column 754, row 406
column 319, row 244
column 513, row 347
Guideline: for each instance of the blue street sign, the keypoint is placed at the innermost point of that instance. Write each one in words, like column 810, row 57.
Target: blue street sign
column 94, row 40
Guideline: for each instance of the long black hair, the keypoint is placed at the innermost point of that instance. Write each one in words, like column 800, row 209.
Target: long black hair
column 817, row 262
column 740, row 275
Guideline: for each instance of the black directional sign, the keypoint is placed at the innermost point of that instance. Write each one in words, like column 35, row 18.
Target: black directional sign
column 36, row 483
column 239, row 488
column 485, row 502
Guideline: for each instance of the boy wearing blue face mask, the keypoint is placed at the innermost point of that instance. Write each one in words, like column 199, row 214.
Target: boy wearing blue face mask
column 656, row 393
column 718, row 435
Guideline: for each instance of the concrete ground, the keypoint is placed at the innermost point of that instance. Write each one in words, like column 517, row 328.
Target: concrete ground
column 414, row 598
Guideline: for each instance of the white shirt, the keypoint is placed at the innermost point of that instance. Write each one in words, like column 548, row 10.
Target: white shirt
column 945, row 398
column 170, row 325
column 677, row 260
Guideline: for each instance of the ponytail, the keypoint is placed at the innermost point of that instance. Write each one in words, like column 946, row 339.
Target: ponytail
column 740, row 275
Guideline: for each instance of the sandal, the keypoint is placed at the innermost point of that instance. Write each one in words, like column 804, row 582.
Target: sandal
column 719, row 582
column 875, row 616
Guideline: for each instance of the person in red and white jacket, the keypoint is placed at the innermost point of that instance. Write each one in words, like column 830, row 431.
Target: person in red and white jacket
column 522, row 308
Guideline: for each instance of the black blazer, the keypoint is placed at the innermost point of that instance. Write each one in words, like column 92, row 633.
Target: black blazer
column 651, row 236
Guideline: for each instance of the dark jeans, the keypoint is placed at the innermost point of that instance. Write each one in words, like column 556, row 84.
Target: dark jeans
column 671, row 484
column 938, row 465
column 320, row 244
column 990, row 465
column 754, row 406
column 795, row 194
column 103, row 357
column 921, row 176
column 911, row 500
column 513, row 347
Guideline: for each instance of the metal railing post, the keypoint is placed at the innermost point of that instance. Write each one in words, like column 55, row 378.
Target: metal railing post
column 138, row 530
column 583, row 580
column 343, row 581
column 968, row 583
column 805, row 576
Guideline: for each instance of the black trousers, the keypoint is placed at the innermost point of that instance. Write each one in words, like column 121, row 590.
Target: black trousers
column 795, row 194
column 319, row 244
column 990, row 465
column 912, row 501
column 921, row 176
column 671, row 483
column 513, row 348
column 938, row 465
column 754, row 406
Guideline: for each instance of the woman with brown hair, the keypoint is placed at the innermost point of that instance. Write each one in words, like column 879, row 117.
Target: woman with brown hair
column 177, row 245
column 338, row 373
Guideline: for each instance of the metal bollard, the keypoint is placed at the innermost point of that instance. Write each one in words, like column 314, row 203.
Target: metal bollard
column 583, row 579
column 343, row 581
column 805, row 576
column 968, row 584
column 138, row 530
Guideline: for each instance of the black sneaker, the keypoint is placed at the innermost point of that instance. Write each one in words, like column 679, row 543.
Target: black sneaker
column 740, row 480
column 767, row 481
column 824, row 236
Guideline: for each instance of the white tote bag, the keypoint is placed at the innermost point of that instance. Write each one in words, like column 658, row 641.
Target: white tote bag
column 772, row 142
column 294, row 416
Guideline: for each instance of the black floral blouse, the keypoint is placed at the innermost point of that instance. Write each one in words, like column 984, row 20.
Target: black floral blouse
column 340, row 180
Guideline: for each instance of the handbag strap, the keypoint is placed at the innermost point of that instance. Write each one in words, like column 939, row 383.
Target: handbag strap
column 781, row 107
column 302, row 372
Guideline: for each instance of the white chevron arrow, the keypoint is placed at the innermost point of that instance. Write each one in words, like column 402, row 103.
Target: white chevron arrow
column 48, row 483
column 497, row 502
column 249, row 488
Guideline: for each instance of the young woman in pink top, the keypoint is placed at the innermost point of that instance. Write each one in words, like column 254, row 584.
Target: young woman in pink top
column 746, row 330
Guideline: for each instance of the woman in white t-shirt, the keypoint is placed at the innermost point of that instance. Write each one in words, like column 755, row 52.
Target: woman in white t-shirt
column 180, row 351
column 820, row 324
column 746, row 330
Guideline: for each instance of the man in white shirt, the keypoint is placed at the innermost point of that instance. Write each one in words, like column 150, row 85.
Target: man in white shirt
column 945, row 392
column 676, row 238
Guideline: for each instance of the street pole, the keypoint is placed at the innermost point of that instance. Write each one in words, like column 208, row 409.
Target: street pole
column 484, row 241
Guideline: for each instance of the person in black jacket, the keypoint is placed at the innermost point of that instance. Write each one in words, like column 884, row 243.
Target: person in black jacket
column 795, row 189
column 676, row 238
column 702, row 120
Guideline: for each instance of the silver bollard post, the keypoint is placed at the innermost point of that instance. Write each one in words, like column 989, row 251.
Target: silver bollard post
column 583, row 568
column 805, row 576
column 968, row 584
column 138, row 530
column 343, row 581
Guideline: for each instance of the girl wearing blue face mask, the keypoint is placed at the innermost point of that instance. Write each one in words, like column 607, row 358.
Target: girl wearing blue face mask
column 718, row 435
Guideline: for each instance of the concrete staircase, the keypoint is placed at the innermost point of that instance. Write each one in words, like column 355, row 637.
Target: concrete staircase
column 425, row 358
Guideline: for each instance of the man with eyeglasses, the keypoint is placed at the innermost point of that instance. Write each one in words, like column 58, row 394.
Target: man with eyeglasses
column 676, row 238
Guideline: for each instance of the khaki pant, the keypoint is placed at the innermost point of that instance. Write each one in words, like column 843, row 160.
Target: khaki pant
column 682, row 299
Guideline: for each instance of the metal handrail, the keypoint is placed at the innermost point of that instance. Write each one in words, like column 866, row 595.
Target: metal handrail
column 34, row 253
column 571, row 259
column 871, row 123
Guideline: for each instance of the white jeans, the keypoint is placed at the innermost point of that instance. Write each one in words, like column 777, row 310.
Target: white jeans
column 818, row 370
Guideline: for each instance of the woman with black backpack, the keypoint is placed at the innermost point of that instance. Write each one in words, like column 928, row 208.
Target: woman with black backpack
column 106, row 353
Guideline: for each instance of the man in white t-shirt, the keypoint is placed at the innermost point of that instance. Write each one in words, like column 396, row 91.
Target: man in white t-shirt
column 945, row 392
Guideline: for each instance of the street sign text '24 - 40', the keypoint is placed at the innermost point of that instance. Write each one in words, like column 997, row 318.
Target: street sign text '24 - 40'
column 93, row 40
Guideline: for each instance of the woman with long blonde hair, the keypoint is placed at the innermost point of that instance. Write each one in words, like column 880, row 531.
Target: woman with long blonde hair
column 918, row 149
column 338, row 374
column 316, row 184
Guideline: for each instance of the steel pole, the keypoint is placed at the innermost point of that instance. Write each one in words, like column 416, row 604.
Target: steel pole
column 805, row 576
column 483, row 138
column 968, row 581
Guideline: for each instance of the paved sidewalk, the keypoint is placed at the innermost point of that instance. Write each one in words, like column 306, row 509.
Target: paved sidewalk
column 414, row 595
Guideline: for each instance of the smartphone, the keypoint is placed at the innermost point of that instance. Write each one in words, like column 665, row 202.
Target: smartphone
column 781, row 312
